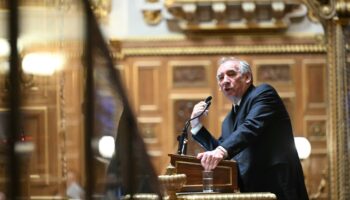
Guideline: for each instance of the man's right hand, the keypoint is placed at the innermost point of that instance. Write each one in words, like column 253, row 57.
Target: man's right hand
column 197, row 110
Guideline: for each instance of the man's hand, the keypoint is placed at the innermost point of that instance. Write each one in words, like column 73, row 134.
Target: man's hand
column 197, row 110
column 210, row 159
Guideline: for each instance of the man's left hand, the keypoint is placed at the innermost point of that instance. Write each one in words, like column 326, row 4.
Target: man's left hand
column 210, row 159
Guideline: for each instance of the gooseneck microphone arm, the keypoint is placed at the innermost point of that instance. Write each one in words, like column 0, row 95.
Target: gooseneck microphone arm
column 183, row 138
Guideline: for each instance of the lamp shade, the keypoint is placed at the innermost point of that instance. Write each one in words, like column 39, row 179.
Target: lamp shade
column 106, row 146
column 303, row 147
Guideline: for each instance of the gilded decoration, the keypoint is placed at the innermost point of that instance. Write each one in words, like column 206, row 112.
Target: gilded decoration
column 316, row 128
column 206, row 15
column 333, row 15
column 343, row 8
column 220, row 50
column 229, row 196
column 152, row 17
column 101, row 9
column 152, row 12
column 274, row 73
column 322, row 9
column 189, row 76
column 148, row 131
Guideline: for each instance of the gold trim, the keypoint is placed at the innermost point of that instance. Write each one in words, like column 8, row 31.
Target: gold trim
column 233, row 26
column 48, row 198
column 342, row 137
column 220, row 50
column 313, row 118
column 152, row 17
column 253, row 36
column 227, row 196
column 140, row 196
column 222, row 167
column 337, row 128
column 324, row 11
column 101, row 9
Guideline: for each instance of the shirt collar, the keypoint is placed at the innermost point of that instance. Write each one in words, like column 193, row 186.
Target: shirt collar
column 239, row 102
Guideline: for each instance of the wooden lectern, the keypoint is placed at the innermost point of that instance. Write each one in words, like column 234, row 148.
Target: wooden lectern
column 225, row 174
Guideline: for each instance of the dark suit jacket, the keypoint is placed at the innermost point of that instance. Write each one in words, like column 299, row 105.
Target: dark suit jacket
column 260, row 139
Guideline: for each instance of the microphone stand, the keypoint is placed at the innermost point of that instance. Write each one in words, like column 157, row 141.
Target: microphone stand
column 183, row 138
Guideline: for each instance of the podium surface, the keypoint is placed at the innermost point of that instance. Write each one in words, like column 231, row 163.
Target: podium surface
column 225, row 174
column 228, row 196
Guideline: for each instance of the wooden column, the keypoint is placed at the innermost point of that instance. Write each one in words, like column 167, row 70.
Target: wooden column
column 335, row 18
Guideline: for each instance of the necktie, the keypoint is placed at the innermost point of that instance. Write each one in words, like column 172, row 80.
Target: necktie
column 235, row 109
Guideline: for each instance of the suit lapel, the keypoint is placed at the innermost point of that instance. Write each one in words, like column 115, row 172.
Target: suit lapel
column 228, row 124
column 242, row 105
column 231, row 122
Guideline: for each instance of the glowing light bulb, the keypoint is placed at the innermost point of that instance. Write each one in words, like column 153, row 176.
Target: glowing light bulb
column 303, row 147
column 106, row 146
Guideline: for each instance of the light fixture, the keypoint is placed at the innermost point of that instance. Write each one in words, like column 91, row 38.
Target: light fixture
column 42, row 63
column 106, row 146
column 303, row 147
column 4, row 48
column 4, row 53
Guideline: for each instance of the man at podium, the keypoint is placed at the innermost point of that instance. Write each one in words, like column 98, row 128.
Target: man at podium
column 256, row 133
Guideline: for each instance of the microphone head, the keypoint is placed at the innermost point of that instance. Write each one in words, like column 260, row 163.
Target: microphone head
column 208, row 99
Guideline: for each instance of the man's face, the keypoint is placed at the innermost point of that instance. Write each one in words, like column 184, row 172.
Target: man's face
column 231, row 82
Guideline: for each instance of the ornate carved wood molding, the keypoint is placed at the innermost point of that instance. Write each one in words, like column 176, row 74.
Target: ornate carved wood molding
column 323, row 9
column 220, row 50
column 39, row 3
column 101, row 8
column 335, row 17
column 337, row 98
column 204, row 15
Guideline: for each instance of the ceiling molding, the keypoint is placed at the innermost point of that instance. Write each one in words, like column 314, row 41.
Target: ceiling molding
column 220, row 50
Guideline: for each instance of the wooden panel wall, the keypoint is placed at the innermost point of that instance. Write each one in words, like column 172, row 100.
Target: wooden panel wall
column 51, row 119
column 165, row 89
column 162, row 90
column 38, row 112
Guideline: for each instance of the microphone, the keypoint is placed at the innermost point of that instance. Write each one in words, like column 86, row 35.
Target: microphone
column 182, row 148
column 208, row 102
column 208, row 99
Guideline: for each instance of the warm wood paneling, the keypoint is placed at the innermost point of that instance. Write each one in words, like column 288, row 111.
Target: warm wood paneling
column 149, row 128
column 189, row 74
column 35, row 127
column 146, row 86
column 298, row 77
column 314, row 77
column 279, row 72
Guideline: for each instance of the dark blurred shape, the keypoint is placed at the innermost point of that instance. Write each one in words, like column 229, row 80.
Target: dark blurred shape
column 108, row 113
column 13, row 189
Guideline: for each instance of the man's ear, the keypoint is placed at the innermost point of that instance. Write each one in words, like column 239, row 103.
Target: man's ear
column 249, row 78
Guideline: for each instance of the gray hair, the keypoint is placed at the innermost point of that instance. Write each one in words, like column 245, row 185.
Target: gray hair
column 244, row 67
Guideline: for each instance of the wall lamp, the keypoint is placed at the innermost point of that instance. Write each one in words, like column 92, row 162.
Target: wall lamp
column 303, row 147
